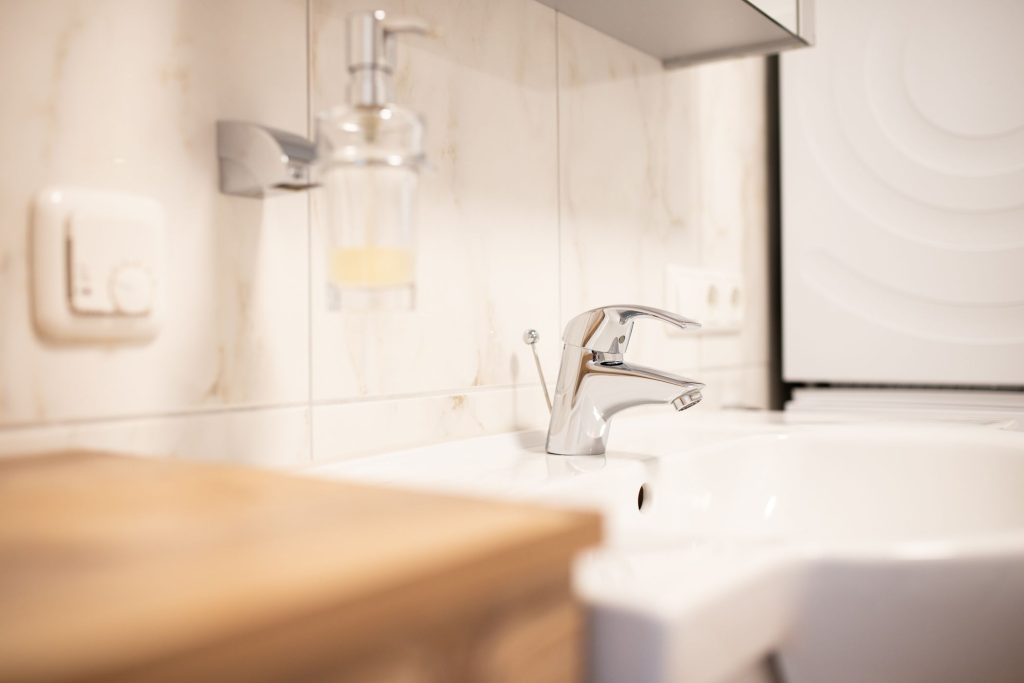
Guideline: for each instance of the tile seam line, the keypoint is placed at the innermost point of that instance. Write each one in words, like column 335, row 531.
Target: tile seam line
column 292, row 405
column 445, row 393
column 309, row 238
column 213, row 411
column 140, row 417
column 558, row 171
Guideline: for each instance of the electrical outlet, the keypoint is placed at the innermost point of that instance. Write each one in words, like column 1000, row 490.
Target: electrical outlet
column 714, row 299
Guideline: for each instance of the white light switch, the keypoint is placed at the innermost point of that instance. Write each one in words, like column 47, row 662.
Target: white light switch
column 96, row 265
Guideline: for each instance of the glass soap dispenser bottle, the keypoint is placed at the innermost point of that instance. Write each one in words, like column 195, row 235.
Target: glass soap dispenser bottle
column 370, row 152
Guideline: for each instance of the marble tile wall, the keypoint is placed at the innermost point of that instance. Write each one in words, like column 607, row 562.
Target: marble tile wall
column 122, row 95
column 662, row 168
column 567, row 171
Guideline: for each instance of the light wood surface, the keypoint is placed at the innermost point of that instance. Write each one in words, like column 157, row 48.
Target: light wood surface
column 117, row 568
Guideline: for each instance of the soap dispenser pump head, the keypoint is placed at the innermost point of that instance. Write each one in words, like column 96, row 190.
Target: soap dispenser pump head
column 371, row 56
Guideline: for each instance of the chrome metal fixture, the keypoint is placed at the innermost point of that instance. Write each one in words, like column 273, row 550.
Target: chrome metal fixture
column 530, row 338
column 595, row 383
column 257, row 161
column 371, row 55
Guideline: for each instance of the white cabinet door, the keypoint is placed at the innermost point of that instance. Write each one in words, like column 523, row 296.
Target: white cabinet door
column 903, row 194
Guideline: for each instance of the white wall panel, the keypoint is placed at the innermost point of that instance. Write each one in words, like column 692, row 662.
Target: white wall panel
column 903, row 194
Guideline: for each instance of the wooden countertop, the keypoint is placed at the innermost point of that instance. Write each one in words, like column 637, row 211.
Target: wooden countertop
column 112, row 567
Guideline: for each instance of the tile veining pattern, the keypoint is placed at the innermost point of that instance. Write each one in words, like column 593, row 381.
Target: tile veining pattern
column 567, row 170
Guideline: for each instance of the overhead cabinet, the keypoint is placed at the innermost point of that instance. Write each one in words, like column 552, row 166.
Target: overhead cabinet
column 683, row 32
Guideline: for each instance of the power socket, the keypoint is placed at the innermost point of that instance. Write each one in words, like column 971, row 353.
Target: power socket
column 715, row 299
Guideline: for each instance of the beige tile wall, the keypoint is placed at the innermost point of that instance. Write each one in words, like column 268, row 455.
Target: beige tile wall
column 123, row 95
column 567, row 170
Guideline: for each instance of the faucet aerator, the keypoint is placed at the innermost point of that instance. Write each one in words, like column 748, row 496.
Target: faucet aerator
column 687, row 400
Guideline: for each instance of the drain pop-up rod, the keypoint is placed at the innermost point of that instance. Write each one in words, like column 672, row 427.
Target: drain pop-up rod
column 530, row 338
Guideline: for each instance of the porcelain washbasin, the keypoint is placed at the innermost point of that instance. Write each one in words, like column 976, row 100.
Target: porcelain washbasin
column 855, row 553
column 846, row 553
column 889, row 488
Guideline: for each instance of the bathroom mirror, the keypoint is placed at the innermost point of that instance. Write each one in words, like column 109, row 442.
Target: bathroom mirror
column 683, row 32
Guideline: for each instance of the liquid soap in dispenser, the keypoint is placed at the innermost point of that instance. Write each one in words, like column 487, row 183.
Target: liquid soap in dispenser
column 370, row 152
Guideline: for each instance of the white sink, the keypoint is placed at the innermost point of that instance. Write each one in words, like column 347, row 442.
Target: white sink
column 902, row 489
column 852, row 553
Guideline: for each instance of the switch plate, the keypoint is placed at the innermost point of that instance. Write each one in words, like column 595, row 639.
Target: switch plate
column 97, row 263
column 715, row 299
column 110, row 263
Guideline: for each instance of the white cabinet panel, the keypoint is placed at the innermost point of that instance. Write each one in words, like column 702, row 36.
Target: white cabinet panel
column 903, row 195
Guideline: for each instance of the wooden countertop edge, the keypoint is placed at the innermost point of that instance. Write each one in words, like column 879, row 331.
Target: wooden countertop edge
column 462, row 580
column 430, row 601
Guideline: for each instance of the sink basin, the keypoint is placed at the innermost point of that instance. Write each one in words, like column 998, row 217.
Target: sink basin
column 756, row 548
column 878, row 553
column 905, row 490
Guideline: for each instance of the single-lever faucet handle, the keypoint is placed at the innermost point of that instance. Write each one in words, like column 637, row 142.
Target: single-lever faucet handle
column 607, row 329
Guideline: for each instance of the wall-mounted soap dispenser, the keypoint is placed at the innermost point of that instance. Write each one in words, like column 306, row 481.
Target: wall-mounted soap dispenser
column 366, row 156
column 369, row 152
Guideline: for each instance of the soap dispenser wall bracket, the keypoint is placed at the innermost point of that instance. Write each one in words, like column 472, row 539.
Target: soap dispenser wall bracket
column 257, row 161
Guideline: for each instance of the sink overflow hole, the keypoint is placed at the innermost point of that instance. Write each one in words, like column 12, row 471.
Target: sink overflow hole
column 641, row 494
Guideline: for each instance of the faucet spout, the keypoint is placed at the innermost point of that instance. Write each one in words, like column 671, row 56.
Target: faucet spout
column 592, row 389
column 614, row 387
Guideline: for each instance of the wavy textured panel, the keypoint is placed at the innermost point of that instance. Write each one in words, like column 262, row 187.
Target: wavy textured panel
column 911, row 314
column 903, row 184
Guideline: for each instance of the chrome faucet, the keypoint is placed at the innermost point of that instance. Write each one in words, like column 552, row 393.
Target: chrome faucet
column 594, row 383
